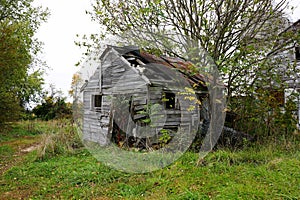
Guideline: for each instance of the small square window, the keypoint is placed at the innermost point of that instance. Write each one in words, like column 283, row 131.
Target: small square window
column 97, row 101
column 297, row 53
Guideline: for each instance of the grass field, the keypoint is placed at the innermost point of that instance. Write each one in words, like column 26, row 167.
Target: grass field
column 269, row 171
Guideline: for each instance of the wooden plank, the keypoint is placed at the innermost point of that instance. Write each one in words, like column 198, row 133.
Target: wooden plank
column 93, row 128
column 103, row 120
column 125, row 80
column 97, row 130
column 116, row 71
column 122, row 90
column 173, row 112
column 106, row 85
column 167, row 124
column 139, row 116
column 140, row 102
column 173, row 119
column 91, row 117
column 139, row 107
column 92, row 88
column 93, row 123
column 92, row 84
column 109, row 92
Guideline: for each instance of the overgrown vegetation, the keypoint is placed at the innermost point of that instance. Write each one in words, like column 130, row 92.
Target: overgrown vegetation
column 52, row 107
column 249, row 42
column 46, row 159
column 265, row 118
column 261, row 171
column 61, row 138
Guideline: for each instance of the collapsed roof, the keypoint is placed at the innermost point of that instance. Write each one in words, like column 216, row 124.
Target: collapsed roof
column 152, row 66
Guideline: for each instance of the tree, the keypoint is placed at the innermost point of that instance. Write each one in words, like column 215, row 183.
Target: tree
column 243, row 37
column 74, row 92
column 76, row 84
column 53, row 106
column 21, row 71
column 238, row 34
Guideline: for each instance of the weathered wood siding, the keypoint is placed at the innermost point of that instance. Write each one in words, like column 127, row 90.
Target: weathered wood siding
column 119, row 81
column 178, row 117
column 92, row 130
column 118, row 78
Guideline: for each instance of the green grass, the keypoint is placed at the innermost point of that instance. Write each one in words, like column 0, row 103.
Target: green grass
column 223, row 176
column 6, row 151
column 13, row 131
column 257, row 172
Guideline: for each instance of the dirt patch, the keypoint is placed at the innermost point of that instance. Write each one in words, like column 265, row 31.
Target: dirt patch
column 18, row 194
column 30, row 149
column 21, row 147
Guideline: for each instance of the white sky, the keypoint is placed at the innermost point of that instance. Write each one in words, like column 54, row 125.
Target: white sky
column 67, row 19
column 58, row 34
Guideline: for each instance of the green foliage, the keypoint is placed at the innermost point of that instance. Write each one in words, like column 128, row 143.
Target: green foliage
column 265, row 116
column 31, row 88
column 21, row 72
column 13, row 62
column 53, row 107
column 238, row 35
column 165, row 137
column 18, row 130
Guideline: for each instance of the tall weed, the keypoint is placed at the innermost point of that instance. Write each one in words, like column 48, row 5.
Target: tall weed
column 60, row 138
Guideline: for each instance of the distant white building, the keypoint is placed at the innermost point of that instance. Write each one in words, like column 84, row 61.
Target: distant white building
column 290, row 68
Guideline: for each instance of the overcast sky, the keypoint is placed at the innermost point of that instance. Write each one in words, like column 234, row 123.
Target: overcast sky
column 67, row 19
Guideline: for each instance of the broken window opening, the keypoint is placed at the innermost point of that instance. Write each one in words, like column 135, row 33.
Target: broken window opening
column 97, row 102
column 297, row 53
column 169, row 99
column 133, row 60
column 139, row 112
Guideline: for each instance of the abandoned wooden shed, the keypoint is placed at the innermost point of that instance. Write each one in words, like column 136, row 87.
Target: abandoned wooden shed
column 136, row 94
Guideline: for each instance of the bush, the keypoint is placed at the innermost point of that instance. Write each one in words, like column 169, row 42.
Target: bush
column 260, row 118
column 53, row 108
